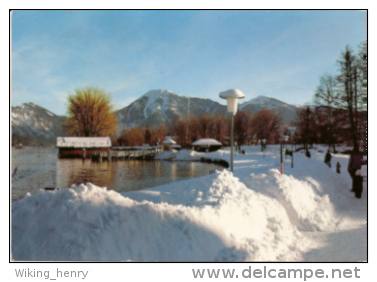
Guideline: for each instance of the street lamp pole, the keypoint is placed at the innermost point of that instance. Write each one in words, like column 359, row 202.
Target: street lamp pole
column 263, row 145
column 285, row 138
column 231, row 142
column 281, row 157
column 292, row 154
column 292, row 130
column 232, row 97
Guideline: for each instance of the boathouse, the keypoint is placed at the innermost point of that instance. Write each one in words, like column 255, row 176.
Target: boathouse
column 206, row 145
column 81, row 147
column 169, row 144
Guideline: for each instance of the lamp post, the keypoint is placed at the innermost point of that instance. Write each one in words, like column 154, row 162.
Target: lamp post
column 264, row 144
column 232, row 97
column 292, row 130
column 285, row 138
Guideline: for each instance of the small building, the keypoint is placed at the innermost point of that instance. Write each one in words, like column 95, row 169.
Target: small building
column 206, row 145
column 168, row 144
column 176, row 147
column 81, row 147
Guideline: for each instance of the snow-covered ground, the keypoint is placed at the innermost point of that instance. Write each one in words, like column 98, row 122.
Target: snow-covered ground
column 255, row 214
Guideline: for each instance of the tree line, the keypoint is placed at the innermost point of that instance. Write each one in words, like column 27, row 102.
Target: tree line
column 248, row 129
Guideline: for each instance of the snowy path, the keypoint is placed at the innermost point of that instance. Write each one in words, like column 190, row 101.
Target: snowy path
column 338, row 246
column 348, row 235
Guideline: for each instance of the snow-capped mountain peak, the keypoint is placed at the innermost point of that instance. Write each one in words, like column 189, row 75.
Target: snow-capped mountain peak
column 35, row 123
column 263, row 102
column 158, row 107
column 155, row 94
column 260, row 100
column 157, row 100
column 267, row 102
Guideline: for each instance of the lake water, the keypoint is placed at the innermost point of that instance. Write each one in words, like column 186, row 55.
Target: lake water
column 36, row 168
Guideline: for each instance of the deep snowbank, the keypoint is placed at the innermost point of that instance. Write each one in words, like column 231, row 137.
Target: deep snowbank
column 257, row 214
column 225, row 221
column 307, row 210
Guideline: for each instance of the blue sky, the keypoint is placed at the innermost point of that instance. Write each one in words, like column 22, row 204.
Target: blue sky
column 280, row 54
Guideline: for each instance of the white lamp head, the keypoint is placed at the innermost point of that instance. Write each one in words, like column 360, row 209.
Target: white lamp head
column 232, row 97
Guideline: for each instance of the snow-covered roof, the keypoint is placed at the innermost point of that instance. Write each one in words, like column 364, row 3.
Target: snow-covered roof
column 168, row 141
column 206, row 142
column 83, row 142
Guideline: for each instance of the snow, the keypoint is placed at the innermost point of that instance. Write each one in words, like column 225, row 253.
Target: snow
column 153, row 104
column 260, row 100
column 83, row 142
column 15, row 119
column 163, row 101
column 265, row 102
column 191, row 155
column 205, row 142
column 169, row 141
column 253, row 214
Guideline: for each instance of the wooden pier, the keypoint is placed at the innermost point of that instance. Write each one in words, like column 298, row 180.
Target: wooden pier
column 126, row 153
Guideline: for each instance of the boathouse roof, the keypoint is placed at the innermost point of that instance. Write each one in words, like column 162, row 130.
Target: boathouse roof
column 83, row 142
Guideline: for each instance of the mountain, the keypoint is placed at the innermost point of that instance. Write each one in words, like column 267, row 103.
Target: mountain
column 161, row 106
column 287, row 111
column 35, row 125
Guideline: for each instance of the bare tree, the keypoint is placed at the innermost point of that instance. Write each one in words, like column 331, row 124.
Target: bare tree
column 204, row 123
column 220, row 128
column 132, row 137
column 147, row 136
column 241, row 123
column 158, row 135
column 325, row 99
column 306, row 127
column 266, row 125
column 350, row 83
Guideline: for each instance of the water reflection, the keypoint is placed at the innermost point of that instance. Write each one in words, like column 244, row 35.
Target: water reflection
column 77, row 171
column 37, row 168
